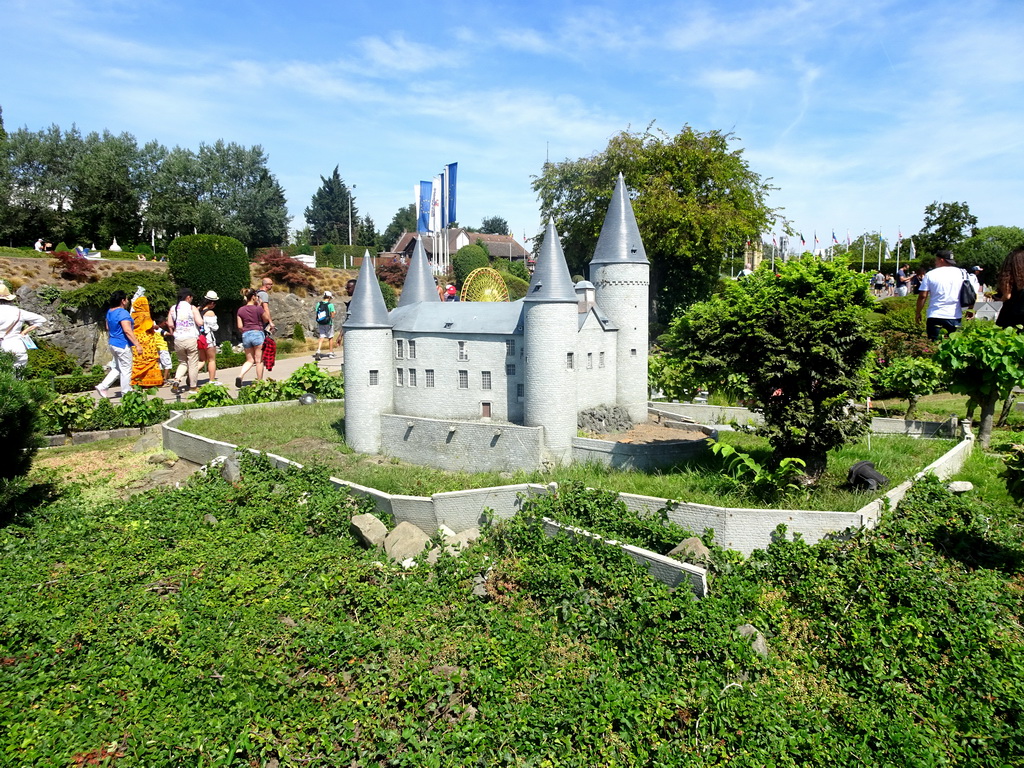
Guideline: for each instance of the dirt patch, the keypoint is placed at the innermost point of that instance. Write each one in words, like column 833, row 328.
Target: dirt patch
column 652, row 433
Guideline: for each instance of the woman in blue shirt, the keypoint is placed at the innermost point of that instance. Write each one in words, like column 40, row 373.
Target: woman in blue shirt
column 122, row 340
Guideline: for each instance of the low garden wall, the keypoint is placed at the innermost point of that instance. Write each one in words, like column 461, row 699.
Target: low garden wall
column 741, row 529
column 641, row 456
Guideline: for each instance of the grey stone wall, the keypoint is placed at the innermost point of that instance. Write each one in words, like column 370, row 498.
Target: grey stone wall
column 475, row 446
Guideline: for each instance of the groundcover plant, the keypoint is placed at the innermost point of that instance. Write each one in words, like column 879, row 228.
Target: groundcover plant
column 241, row 624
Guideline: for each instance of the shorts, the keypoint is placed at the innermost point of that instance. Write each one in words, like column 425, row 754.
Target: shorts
column 165, row 359
column 253, row 339
column 325, row 331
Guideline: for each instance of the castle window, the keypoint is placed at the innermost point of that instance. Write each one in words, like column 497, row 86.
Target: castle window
column 463, row 379
column 569, row 361
column 590, row 360
column 510, row 347
column 519, row 391
column 399, row 349
column 485, row 379
column 632, row 353
column 463, row 353
column 412, row 377
column 600, row 359
column 412, row 349
column 510, row 369
column 428, row 377
column 400, row 378
column 373, row 378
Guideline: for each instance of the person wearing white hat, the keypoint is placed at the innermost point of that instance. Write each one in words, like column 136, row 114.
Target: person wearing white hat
column 325, row 324
column 207, row 342
column 13, row 334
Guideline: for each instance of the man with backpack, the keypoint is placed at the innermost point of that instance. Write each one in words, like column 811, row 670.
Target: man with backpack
column 942, row 289
column 325, row 324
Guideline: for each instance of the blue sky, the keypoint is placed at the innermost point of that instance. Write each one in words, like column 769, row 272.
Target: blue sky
column 860, row 112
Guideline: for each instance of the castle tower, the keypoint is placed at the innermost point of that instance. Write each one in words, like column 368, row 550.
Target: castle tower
column 419, row 282
column 550, row 325
column 369, row 389
column 622, row 276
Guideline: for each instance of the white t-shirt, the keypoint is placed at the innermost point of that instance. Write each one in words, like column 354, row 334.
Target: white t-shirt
column 943, row 287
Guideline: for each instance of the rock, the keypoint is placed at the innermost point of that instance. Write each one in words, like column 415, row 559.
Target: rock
column 758, row 644
column 210, row 519
column 960, row 486
column 445, row 531
column 459, row 541
column 288, row 621
column 369, row 530
column 150, row 441
column 167, row 458
column 405, row 541
column 230, row 469
column 692, row 550
column 480, row 588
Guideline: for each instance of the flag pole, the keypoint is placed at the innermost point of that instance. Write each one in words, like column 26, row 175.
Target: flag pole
column 879, row 250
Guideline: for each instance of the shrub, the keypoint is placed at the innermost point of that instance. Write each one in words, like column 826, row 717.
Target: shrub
column 390, row 296
column 138, row 409
column 159, row 290
column 70, row 266
column 298, row 333
column 286, row 270
column 211, row 396
column 50, row 360
column 103, row 416
column 468, row 258
column 265, row 391
column 20, row 435
column 314, row 380
column 210, row 262
column 393, row 272
column 517, row 287
column 144, row 248
column 516, row 268
column 78, row 382
column 910, row 378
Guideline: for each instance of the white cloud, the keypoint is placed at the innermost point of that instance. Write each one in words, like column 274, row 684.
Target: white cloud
column 730, row 79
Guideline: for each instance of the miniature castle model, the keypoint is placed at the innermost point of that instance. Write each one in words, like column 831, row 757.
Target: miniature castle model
column 476, row 385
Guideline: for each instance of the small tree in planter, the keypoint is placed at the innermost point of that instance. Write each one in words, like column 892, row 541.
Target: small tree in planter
column 984, row 362
column 911, row 378
column 801, row 340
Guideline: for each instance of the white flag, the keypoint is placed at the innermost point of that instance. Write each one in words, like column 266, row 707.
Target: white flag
column 913, row 250
column 435, row 205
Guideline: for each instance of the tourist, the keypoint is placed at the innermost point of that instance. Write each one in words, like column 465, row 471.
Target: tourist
column 266, row 286
column 186, row 324
column 903, row 278
column 13, row 335
column 879, row 283
column 940, row 289
column 207, row 342
column 325, row 324
column 251, row 319
column 122, row 340
column 1010, row 284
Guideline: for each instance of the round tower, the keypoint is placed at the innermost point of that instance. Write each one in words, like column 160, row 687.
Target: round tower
column 621, row 275
column 550, row 326
column 369, row 367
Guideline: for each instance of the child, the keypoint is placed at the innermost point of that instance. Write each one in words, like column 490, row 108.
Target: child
column 161, row 330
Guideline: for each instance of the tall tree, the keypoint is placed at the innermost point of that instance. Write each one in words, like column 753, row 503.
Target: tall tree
column 104, row 189
column 367, row 234
column 946, row 225
column 329, row 211
column 494, row 225
column 988, row 248
column 41, row 164
column 404, row 220
column 694, row 198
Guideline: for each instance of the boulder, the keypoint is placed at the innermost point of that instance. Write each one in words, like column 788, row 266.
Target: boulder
column 369, row 530
column 758, row 644
column 405, row 541
column 692, row 550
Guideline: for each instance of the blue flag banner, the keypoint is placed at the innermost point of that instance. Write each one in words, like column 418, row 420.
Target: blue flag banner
column 423, row 207
column 450, row 173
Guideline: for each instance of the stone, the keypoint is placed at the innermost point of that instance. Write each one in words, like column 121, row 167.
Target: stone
column 459, row 541
column 230, row 469
column 210, row 519
column 150, row 441
column 691, row 550
column 758, row 644
column 405, row 541
column 369, row 530
column 960, row 486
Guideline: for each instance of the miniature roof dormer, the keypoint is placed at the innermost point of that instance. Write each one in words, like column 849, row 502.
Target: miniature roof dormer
column 419, row 282
column 367, row 309
column 619, row 241
column 551, row 281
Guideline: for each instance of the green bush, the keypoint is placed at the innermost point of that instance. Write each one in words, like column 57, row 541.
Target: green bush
column 314, row 380
column 516, row 268
column 517, row 287
column 211, row 396
column 265, row 391
column 50, row 360
column 160, row 290
column 20, row 433
column 468, row 258
column 390, row 295
column 210, row 262
column 104, row 416
column 299, row 333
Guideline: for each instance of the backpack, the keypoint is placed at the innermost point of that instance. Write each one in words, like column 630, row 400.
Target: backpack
column 323, row 313
column 968, row 296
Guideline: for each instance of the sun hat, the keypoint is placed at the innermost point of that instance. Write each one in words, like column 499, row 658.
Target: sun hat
column 451, row 290
column 328, row 295
column 5, row 293
column 211, row 296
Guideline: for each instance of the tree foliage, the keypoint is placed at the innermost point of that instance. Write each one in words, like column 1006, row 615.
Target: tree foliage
column 946, row 225
column 494, row 225
column 404, row 220
column 283, row 269
column 20, row 434
column 801, row 343
column 331, row 214
column 468, row 258
column 984, row 362
column 693, row 195
column 988, row 248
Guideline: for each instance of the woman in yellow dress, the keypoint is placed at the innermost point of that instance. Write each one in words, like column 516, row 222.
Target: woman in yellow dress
column 146, row 361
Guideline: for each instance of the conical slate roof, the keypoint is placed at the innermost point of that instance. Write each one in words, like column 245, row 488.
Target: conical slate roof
column 367, row 309
column 419, row 282
column 619, row 241
column 551, row 281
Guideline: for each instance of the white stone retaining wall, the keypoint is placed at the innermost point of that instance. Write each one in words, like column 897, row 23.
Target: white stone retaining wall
column 741, row 529
column 642, row 456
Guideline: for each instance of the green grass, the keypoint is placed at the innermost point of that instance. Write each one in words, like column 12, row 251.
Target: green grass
column 295, row 432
